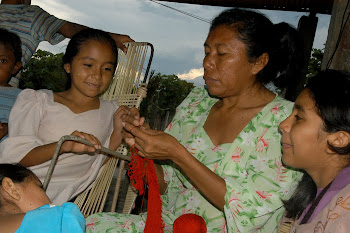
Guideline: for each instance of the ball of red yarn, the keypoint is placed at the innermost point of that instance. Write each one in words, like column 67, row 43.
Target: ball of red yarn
column 189, row 223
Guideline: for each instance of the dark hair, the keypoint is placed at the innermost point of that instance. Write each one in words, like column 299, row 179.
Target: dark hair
column 330, row 89
column 16, row 172
column 281, row 42
column 74, row 45
column 13, row 42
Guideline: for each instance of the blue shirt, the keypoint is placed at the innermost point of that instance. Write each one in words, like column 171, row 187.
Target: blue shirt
column 54, row 219
column 8, row 97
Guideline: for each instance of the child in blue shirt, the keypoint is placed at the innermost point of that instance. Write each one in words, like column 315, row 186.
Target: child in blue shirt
column 25, row 207
column 10, row 64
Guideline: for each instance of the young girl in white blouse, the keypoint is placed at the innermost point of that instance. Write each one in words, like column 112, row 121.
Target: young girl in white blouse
column 40, row 118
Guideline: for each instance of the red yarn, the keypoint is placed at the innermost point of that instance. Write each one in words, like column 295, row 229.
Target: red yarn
column 140, row 169
column 189, row 223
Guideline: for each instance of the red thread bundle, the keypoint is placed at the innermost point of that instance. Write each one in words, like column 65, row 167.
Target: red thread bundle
column 189, row 223
column 139, row 170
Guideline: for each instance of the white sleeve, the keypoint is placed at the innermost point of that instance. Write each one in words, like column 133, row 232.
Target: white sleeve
column 24, row 123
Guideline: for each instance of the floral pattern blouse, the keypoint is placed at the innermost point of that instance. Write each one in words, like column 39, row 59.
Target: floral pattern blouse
column 251, row 166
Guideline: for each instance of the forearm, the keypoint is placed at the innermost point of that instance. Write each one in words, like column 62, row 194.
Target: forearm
column 39, row 155
column 70, row 29
column 212, row 186
column 160, row 176
column 116, row 140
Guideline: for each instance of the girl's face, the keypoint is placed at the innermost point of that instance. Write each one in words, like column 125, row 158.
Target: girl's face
column 33, row 194
column 304, row 141
column 227, row 70
column 92, row 68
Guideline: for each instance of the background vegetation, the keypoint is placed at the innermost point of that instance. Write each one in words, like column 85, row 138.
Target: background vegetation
column 165, row 92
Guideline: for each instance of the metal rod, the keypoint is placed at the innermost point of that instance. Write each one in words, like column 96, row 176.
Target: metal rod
column 81, row 140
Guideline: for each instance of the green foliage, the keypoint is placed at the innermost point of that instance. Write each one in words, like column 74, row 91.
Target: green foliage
column 44, row 71
column 315, row 62
column 164, row 94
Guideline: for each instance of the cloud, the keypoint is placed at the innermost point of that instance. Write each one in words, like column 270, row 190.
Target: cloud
column 192, row 74
column 177, row 38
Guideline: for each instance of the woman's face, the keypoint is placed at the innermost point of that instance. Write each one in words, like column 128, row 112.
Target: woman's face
column 227, row 70
column 304, row 141
column 92, row 69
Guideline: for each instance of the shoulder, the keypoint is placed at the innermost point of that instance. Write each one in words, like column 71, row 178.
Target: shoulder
column 10, row 91
column 198, row 93
column 197, row 102
column 112, row 105
column 35, row 96
column 40, row 94
column 35, row 8
column 280, row 108
column 198, row 96
column 21, row 8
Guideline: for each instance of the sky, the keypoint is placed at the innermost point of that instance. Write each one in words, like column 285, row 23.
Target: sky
column 177, row 38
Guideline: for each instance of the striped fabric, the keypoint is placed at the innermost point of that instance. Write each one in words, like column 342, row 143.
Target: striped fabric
column 32, row 24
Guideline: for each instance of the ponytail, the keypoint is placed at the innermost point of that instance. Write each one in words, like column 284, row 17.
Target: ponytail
column 286, row 57
column 281, row 42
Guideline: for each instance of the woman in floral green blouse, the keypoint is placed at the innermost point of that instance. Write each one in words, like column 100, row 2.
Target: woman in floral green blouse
column 221, row 154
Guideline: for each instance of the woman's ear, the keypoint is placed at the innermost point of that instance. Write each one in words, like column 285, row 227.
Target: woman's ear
column 260, row 63
column 11, row 189
column 67, row 68
column 338, row 139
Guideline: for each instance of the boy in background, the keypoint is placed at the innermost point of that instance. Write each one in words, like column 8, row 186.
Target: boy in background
column 10, row 64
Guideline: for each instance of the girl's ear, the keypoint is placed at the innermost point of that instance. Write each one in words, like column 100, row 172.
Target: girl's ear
column 338, row 139
column 11, row 189
column 67, row 68
column 16, row 68
column 260, row 63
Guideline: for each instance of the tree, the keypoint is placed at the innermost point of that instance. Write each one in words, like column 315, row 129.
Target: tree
column 315, row 62
column 164, row 94
column 44, row 71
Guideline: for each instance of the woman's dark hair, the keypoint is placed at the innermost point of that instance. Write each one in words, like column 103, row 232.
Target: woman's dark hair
column 74, row 45
column 16, row 172
column 13, row 42
column 281, row 42
column 330, row 89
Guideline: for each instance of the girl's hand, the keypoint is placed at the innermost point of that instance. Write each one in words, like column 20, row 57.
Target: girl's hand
column 153, row 144
column 77, row 147
column 118, row 118
column 133, row 118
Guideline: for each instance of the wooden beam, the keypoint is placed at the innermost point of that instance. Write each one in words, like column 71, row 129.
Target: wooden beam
column 307, row 29
column 337, row 52
column 316, row 6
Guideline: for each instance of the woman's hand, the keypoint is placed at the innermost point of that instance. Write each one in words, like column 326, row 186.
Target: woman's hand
column 77, row 147
column 153, row 144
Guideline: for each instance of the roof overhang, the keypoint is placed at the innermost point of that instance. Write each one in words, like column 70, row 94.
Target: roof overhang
column 315, row 6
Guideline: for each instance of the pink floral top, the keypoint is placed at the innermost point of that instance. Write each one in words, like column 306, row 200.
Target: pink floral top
column 255, row 179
